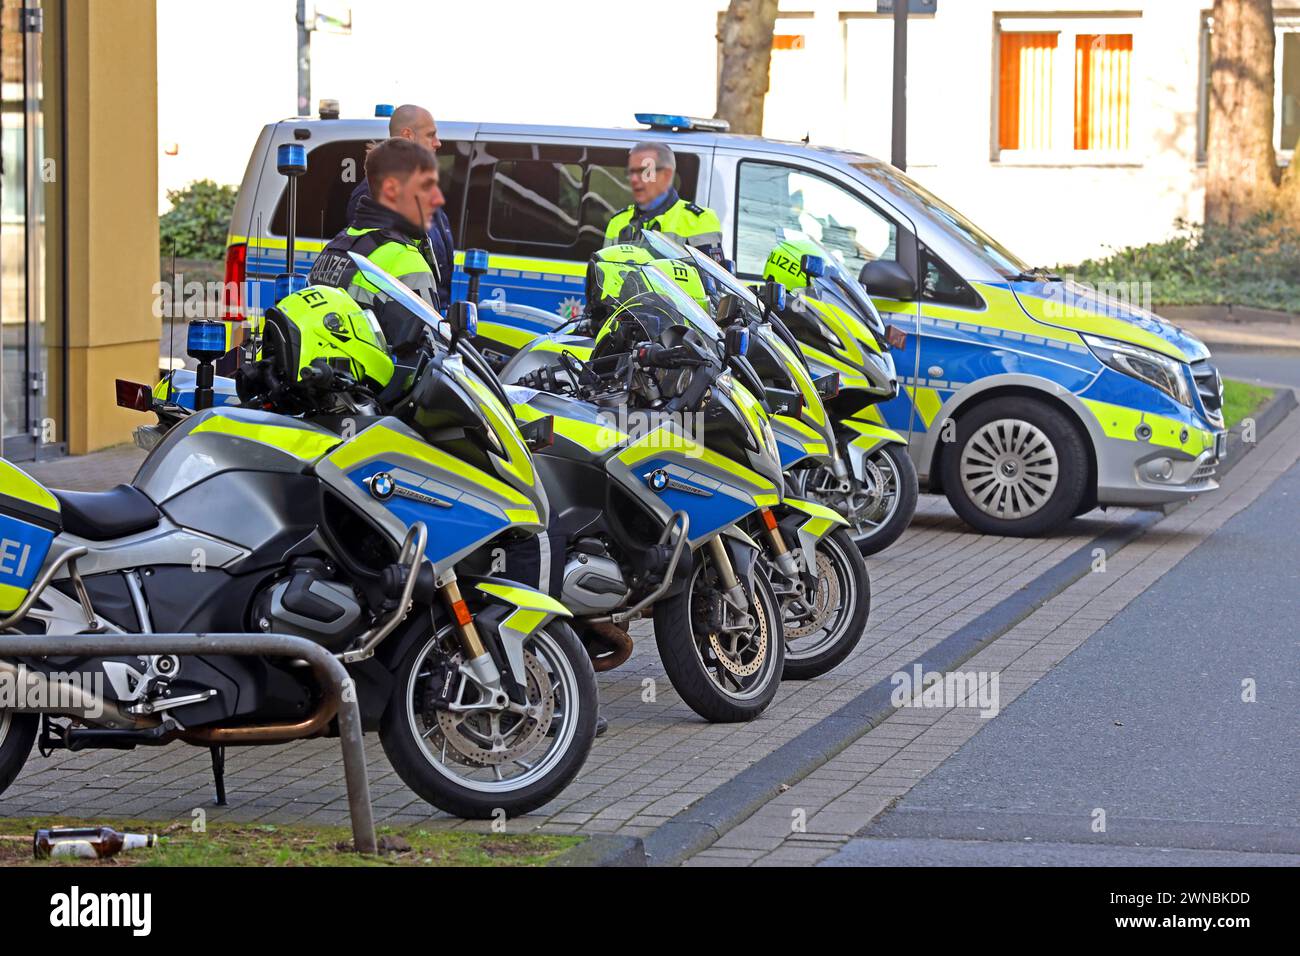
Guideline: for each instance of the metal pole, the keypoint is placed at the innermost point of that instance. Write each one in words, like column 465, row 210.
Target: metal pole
column 899, row 147
column 271, row 645
column 304, row 61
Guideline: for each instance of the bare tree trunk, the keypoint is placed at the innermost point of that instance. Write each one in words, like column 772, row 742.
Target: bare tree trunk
column 746, row 60
column 1242, row 173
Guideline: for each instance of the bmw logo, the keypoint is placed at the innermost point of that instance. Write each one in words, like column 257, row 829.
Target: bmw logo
column 382, row 485
column 658, row 479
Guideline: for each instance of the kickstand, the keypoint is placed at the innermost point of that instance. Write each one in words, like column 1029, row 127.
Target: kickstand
column 219, row 773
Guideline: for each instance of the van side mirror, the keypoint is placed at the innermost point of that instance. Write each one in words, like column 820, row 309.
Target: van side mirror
column 462, row 316
column 886, row 278
column 729, row 309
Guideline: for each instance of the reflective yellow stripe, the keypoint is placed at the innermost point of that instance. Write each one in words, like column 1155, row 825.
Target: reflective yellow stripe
column 815, row 510
column 526, row 598
column 302, row 443
column 1119, row 421
column 507, row 334
column 16, row 483
column 522, row 264
column 11, row 597
column 872, row 431
column 380, row 441
column 927, row 402
column 663, row 440
column 270, row 242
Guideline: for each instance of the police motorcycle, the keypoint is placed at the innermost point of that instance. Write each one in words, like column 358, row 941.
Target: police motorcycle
column 817, row 569
column 369, row 537
column 840, row 333
column 658, row 455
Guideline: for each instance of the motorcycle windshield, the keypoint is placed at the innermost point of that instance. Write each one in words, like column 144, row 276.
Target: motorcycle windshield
column 837, row 286
column 400, row 294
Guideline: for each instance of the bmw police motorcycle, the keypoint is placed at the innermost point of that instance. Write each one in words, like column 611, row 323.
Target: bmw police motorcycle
column 841, row 334
column 817, row 573
column 344, row 525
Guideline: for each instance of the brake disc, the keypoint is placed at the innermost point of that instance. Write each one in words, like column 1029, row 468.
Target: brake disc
column 827, row 600
column 737, row 667
column 476, row 737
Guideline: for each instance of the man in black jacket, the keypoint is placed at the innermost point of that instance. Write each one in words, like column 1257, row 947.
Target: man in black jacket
column 417, row 124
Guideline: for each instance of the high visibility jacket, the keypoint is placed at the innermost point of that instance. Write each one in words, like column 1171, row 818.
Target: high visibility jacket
column 684, row 221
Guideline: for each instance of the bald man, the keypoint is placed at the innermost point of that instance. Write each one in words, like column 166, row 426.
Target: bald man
column 417, row 124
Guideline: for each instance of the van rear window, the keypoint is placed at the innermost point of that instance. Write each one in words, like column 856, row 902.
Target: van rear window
column 335, row 169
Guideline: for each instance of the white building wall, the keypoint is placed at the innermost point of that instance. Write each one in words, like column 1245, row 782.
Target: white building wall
column 595, row 62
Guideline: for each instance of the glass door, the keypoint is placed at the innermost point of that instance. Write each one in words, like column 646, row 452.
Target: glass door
column 22, row 307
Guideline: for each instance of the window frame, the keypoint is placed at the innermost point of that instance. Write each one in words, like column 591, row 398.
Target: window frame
column 904, row 237
column 1068, row 28
column 1284, row 21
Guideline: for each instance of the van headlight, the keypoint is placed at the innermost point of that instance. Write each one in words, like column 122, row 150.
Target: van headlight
column 1155, row 369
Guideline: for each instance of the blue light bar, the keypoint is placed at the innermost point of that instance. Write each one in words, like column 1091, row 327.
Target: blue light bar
column 674, row 121
column 384, row 109
column 205, row 339
column 476, row 261
column 287, row 283
column 291, row 159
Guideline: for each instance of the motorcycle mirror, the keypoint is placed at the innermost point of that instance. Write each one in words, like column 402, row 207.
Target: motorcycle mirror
column 772, row 295
column 737, row 341
column 782, row 401
column 463, row 318
column 729, row 265
column 814, row 267
column 729, row 309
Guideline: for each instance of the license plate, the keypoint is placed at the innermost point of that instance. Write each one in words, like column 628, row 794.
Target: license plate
column 1221, row 445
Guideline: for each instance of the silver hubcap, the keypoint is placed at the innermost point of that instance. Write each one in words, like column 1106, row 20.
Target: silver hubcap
column 1009, row 469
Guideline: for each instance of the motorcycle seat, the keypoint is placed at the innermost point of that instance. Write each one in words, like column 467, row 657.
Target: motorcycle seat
column 102, row 515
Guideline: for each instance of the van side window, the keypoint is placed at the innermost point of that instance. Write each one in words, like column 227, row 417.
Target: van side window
column 939, row 283
column 552, row 200
column 333, row 172
column 774, row 199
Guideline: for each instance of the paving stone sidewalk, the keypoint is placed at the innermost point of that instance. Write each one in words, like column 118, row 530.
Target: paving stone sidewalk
column 657, row 758
column 810, row 821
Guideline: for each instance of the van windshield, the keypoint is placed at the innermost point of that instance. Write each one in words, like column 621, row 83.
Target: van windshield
column 891, row 181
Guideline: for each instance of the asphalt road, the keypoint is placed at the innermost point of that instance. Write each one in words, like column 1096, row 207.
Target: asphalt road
column 1264, row 367
column 1145, row 721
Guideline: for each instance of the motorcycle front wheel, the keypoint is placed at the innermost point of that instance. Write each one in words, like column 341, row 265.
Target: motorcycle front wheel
column 725, row 674
column 476, row 762
column 822, row 631
column 878, row 511
column 17, row 732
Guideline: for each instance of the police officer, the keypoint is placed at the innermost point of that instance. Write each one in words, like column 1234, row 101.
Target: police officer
column 656, row 205
column 417, row 124
column 390, row 228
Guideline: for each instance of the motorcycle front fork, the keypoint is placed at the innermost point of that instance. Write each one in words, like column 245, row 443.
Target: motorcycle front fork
column 479, row 665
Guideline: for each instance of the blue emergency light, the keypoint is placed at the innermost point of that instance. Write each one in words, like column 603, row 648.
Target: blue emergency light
column 287, row 283
column 476, row 261
column 384, row 109
column 205, row 340
column 675, row 121
column 814, row 266
column 291, row 159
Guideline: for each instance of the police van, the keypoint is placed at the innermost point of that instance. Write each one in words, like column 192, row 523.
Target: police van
column 1026, row 399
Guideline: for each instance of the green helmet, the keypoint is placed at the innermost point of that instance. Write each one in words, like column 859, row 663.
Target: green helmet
column 689, row 278
column 785, row 262
column 322, row 322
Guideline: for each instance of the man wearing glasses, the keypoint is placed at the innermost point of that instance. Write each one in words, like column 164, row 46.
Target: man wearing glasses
column 656, row 205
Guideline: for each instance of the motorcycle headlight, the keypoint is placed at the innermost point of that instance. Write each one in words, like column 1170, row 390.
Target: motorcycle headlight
column 1157, row 370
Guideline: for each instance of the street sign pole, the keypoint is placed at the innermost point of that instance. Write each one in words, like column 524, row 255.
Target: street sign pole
column 304, row 61
column 899, row 145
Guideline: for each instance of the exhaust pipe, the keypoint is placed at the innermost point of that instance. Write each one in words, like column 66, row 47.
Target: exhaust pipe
column 608, row 645
column 70, row 699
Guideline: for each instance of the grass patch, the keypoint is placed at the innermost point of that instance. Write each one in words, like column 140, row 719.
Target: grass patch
column 1256, row 264
column 248, row 844
column 1242, row 398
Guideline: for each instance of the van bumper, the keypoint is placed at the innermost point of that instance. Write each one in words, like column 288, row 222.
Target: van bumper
column 1138, row 474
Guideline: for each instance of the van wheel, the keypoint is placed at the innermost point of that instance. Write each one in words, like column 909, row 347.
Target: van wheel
column 1018, row 467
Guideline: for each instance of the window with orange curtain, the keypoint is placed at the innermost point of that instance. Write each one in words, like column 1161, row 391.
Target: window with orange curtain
column 1026, row 64
column 1102, row 90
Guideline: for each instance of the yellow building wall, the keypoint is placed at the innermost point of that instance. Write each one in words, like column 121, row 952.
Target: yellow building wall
column 111, row 214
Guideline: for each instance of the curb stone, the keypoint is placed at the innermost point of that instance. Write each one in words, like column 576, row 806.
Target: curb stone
column 709, row 818
column 604, row 850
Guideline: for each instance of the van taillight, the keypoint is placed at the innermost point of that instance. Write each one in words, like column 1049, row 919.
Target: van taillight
column 236, row 276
